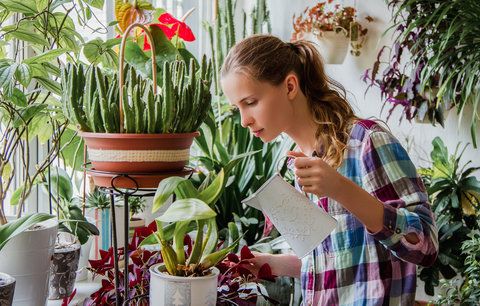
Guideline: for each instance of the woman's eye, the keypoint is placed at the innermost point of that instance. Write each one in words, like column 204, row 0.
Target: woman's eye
column 252, row 102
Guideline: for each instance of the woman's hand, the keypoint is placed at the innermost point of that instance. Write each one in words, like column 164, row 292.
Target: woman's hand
column 281, row 264
column 316, row 176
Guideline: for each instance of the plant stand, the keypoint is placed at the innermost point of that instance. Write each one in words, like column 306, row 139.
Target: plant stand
column 113, row 191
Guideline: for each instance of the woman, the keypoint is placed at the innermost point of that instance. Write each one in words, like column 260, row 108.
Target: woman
column 353, row 168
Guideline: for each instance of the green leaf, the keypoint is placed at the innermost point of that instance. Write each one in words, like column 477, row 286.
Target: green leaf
column 42, row 5
column 61, row 184
column 18, row 98
column 187, row 210
column 27, row 35
column 23, row 74
column 165, row 190
column 20, row 6
column 46, row 56
column 213, row 191
column 95, row 3
column 15, row 199
column 49, row 85
column 14, row 228
column 7, row 171
column 41, row 127
column 28, row 113
column 72, row 149
column 7, row 71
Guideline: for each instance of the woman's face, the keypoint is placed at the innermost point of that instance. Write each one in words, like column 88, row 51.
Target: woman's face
column 265, row 109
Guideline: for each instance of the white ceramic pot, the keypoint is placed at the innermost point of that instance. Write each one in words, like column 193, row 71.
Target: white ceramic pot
column 27, row 258
column 332, row 46
column 169, row 290
column 85, row 250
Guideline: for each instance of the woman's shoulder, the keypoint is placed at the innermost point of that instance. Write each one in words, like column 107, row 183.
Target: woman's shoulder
column 362, row 129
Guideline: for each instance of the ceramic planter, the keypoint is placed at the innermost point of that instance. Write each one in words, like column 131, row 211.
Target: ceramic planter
column 27, row 258
column 63, row 270
column 7, row 289
column 166, row 289
column 332, row 46
column 138, row 153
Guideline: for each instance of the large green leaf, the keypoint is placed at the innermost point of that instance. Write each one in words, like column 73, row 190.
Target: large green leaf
column 23, row 74
column 61, row 184
column 165, row 190
column 47, row 56
column 18, row 98
column 95, row 3
column 213, row 191
column 20, row 6
column 50, row 85
column 72, row 149
column 14, row 228
column 7, row 71
column 28, row 113
column 25, row 33
column 187, row 210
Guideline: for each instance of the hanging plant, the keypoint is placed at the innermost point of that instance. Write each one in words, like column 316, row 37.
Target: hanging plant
column 323, row 23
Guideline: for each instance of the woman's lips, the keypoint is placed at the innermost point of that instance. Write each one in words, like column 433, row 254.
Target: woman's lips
column 257, row 133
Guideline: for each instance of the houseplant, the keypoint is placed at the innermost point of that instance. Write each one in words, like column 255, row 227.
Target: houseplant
column 333, row 30
column 441, row 40
column 74, row 233
column 454, row 193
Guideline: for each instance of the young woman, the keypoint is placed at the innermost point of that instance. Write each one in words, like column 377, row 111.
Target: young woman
column 353, row 168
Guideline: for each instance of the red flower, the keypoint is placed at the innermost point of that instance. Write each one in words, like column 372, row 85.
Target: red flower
column 171, row 27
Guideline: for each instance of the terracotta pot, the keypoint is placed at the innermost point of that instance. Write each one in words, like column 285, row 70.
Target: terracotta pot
column 7, row 288
column 63, row 270
column 138, row 153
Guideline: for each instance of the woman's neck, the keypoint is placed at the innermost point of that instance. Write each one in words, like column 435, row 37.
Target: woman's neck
column 303, row 128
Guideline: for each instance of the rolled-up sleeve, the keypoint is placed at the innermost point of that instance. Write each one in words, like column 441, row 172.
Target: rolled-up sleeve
column 390, row 176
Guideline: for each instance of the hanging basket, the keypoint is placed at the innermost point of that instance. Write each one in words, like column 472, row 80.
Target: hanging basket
column 137, row 153
column 332, row 46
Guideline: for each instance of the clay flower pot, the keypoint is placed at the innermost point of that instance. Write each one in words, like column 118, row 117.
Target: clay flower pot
column 138, row 153
column 7, row 288
column 63, row 270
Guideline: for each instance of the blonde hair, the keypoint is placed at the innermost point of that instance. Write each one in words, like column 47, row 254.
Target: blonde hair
column 267, row 58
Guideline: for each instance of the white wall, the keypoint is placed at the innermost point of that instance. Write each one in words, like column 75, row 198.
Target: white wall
column 349, row 74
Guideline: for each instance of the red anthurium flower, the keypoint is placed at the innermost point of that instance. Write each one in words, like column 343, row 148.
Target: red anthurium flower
column 171, row 26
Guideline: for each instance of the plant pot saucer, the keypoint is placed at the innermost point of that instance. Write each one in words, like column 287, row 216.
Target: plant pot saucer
column 133, row 180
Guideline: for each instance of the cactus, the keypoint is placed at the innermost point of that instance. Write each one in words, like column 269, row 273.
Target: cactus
column 91, row 99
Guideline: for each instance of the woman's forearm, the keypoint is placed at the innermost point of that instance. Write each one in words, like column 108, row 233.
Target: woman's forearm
column 286, row 265
column 367, row 208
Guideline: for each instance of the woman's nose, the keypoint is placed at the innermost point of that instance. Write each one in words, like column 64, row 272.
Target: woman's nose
column 246, row 120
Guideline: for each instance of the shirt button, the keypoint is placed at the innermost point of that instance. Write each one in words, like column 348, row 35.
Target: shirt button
column 398, row 231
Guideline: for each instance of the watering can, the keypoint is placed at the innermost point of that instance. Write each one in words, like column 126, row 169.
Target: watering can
column 302, row 223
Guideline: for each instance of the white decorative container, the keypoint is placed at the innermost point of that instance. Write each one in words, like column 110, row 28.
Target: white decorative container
column 166, row 290
column 333, row 47
column 27, row 258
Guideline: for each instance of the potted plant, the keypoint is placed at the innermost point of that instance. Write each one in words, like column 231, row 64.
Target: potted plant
column 132, row 128
column 74, row 232
column 454, row 193
column 192, row 277
column 333, row 30
column 7, row 289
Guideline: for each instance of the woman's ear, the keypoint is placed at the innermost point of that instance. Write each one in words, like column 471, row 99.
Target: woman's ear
column 292, row 85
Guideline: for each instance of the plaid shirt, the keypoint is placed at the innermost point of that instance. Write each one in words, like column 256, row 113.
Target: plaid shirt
column 353, row 266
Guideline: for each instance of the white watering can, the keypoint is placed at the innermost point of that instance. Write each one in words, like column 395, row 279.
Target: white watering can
column 303, row 224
